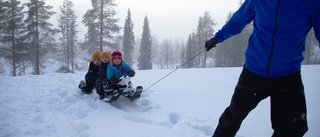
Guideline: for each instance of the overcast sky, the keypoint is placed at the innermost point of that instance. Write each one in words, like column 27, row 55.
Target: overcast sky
column 174, row 19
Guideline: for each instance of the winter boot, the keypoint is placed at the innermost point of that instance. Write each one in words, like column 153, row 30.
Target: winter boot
column 82, row 84
column 101, row 96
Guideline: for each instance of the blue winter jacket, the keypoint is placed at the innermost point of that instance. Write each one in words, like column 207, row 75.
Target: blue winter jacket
column 118, row 71
column 278, row 40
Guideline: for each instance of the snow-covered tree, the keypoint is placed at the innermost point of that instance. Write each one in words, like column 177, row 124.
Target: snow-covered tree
column 68, row 29
column 145, row 61
column 103, row 30
column 128, row 40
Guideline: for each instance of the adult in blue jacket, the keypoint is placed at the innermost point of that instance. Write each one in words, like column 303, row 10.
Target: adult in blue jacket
column 272, row 65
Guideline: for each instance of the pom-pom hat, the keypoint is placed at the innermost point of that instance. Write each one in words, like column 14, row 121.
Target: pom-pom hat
column 116, row 54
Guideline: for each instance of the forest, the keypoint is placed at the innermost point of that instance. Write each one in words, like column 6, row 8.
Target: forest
column 28, row 39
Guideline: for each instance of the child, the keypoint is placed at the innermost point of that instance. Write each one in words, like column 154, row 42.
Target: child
column 117, row 68
column 105, row 59
column 92, row 74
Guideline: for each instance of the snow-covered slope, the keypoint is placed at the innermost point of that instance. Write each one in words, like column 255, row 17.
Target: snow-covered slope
column 187, row 103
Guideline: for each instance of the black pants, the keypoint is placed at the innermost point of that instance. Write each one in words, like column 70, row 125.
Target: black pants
column 90, row 84
column 288, row 105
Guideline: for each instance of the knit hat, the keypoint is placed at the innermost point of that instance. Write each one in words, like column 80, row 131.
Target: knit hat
column 96, row 55
column 116, row 54
column 105, row 53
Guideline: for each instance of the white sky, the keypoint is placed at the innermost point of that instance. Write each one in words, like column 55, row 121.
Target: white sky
column 168, row 19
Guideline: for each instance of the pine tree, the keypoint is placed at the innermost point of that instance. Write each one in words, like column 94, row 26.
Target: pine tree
column 102, row 27
column 68, row 29
column 128, row 40
column 12, row 31
column 40, row 34
column 205, row 31
column 145, row 61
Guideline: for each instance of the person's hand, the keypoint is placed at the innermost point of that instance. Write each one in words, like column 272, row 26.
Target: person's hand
column 114, row 80
column 131, row 73
column 210, row 44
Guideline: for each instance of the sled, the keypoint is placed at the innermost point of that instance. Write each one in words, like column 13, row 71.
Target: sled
column 123, row 88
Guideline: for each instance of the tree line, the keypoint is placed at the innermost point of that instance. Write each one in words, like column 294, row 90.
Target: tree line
column 28, row 39
column 231, row 53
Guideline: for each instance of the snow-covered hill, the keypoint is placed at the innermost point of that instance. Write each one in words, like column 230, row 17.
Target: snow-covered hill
column 187, row 103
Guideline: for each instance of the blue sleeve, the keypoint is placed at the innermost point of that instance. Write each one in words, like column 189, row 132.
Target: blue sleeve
column 110, row 72
column 243, row 16
column 127, row 68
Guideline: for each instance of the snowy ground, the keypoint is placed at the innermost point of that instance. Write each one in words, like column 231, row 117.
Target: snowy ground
column 187, row 103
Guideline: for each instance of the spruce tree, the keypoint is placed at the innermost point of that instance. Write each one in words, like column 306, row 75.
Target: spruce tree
column 145, row 61
column 103, row 30
column 12, row 27
column 128, row 40
column 40, row 32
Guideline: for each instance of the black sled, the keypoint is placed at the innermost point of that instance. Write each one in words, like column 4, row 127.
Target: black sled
column 123, row 88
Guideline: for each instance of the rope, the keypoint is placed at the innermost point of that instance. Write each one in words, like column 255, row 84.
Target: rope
column 174, row 70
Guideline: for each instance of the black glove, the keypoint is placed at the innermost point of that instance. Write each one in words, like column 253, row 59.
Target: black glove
column 210, row 44
column 114, row 80
column 131, row 73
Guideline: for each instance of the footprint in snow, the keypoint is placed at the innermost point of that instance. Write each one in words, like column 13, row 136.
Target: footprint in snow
column 174, row 118
column 82, row 127
column 208, row 130
column 140, row 105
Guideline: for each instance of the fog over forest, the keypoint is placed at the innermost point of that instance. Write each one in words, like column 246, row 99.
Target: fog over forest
column 67, row 32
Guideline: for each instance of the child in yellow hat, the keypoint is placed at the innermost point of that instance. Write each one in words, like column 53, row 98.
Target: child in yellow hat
column 92, row 74
column 105, row 59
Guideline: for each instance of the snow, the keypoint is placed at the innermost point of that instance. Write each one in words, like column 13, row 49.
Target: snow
column 187, row 103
